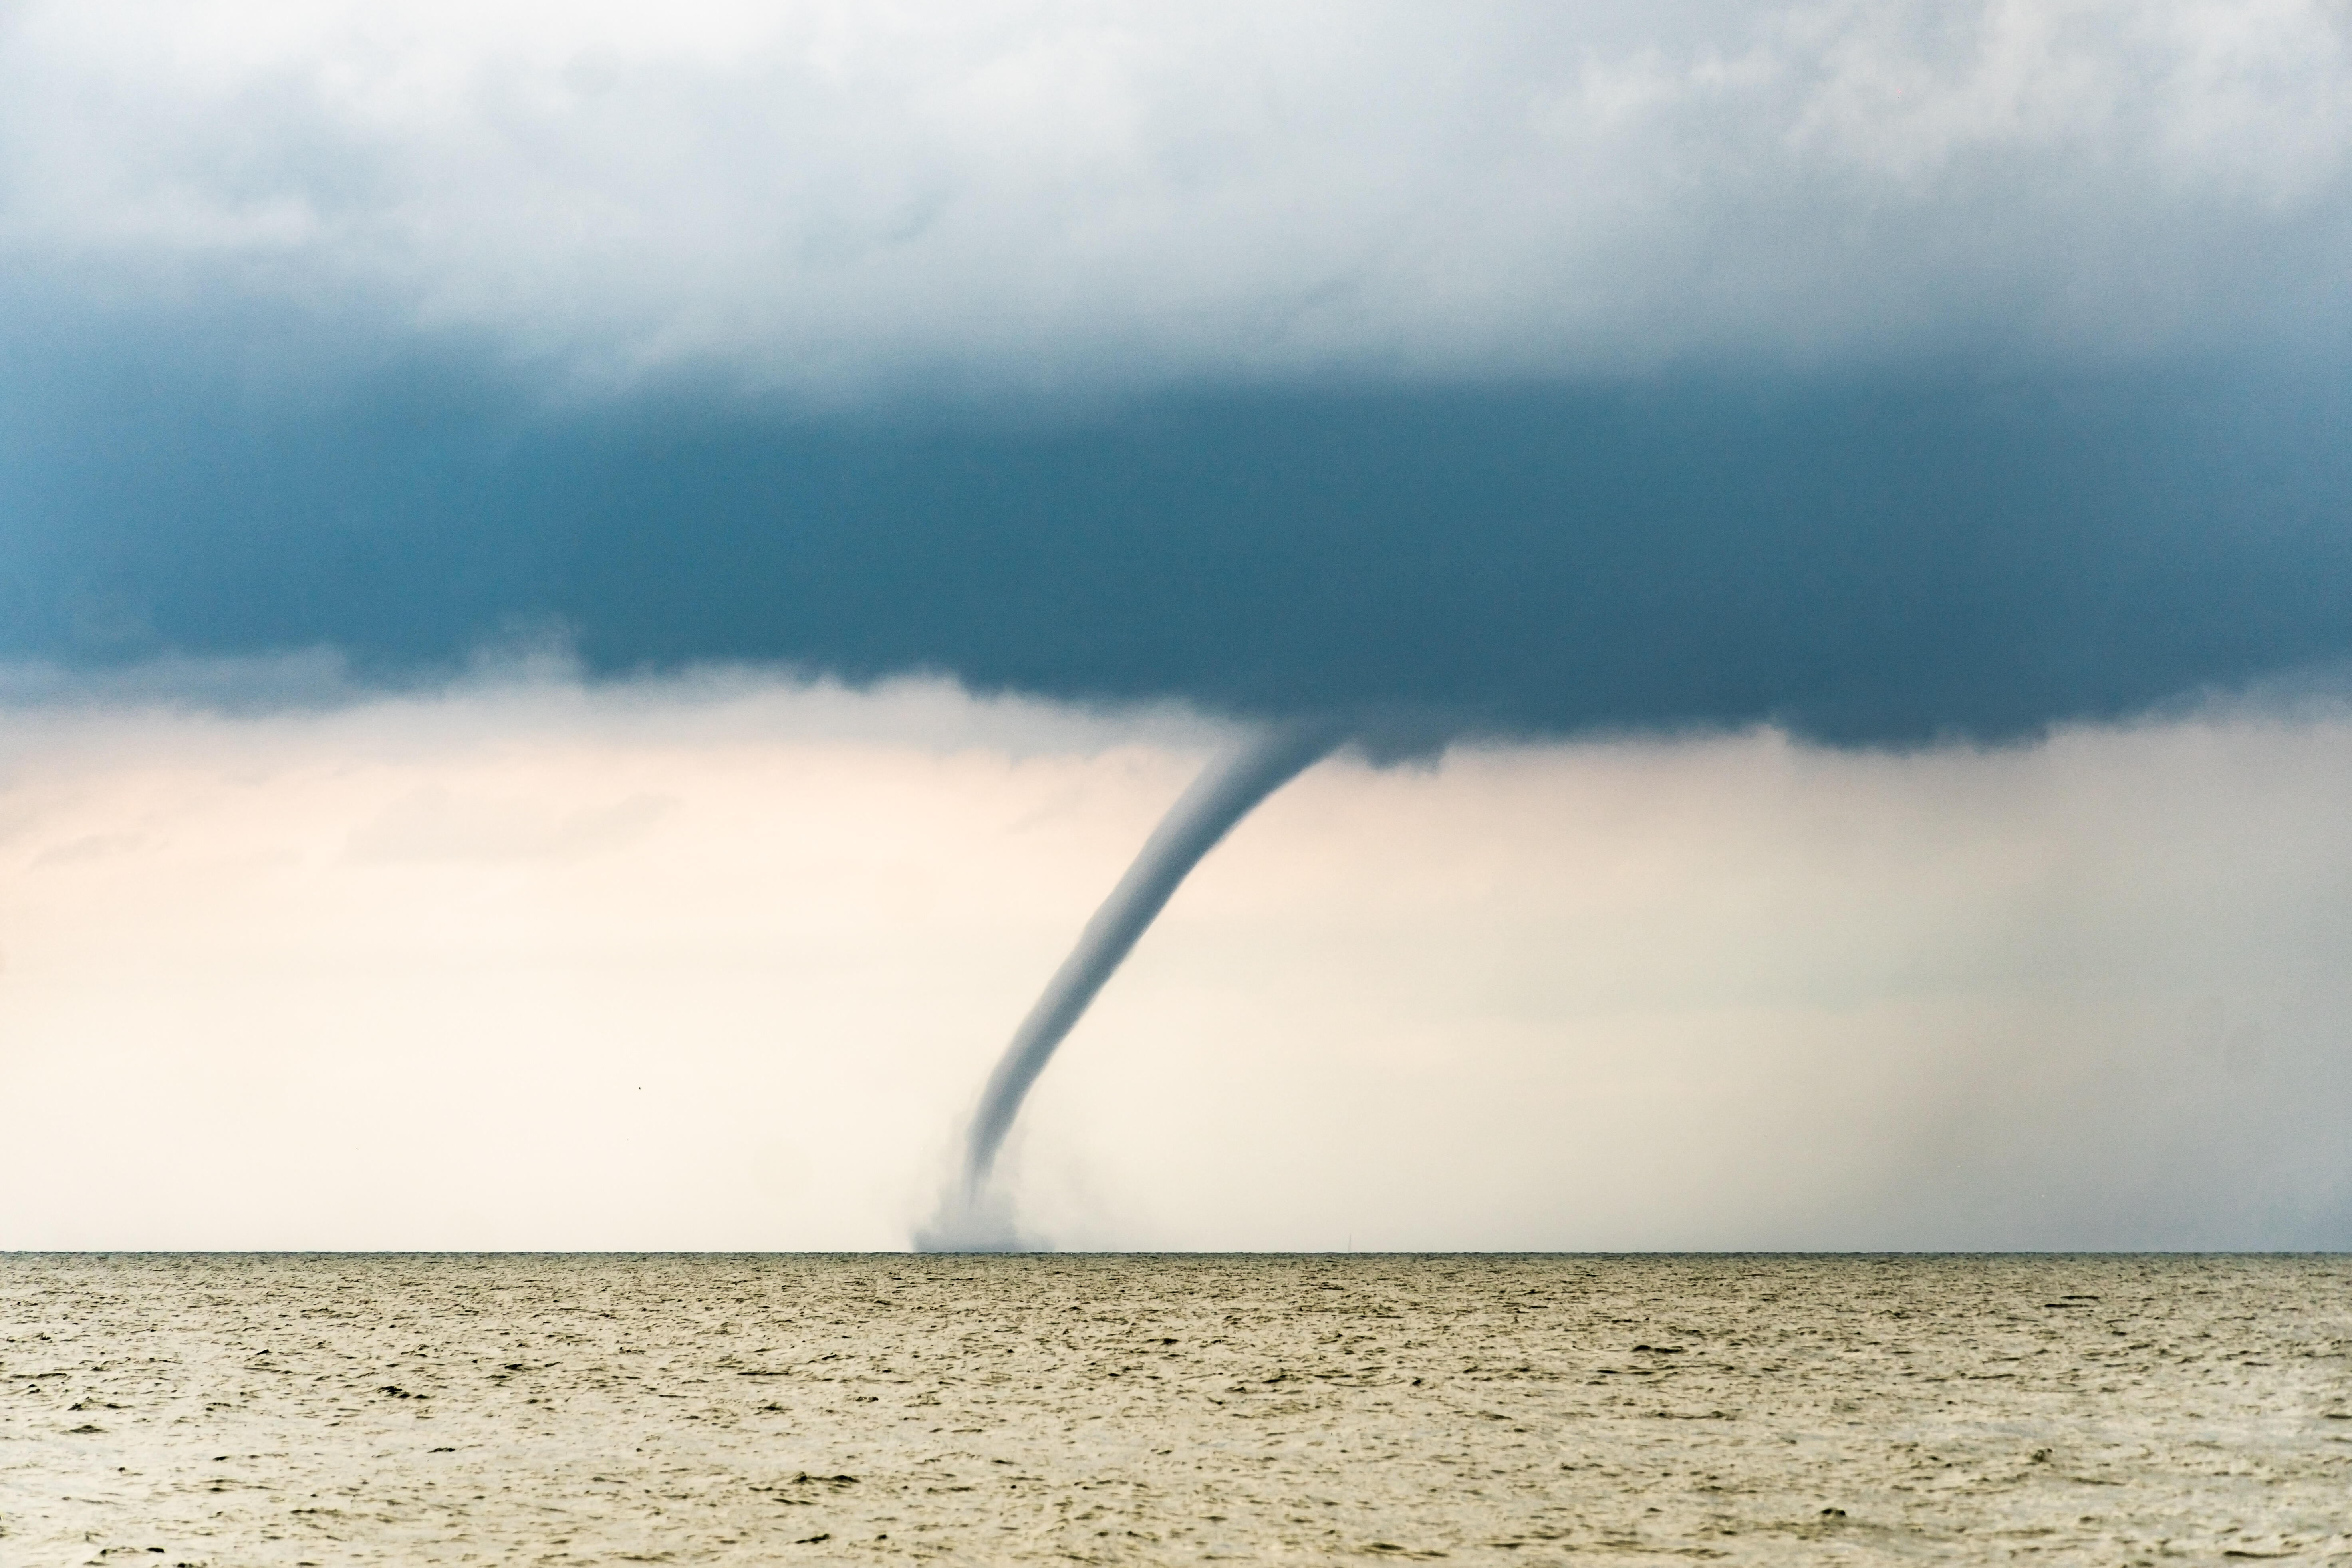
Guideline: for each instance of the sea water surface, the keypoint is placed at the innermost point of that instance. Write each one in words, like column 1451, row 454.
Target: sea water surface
column 543, row 1409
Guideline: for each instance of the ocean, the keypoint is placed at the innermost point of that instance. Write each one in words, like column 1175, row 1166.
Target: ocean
column 263, row 1410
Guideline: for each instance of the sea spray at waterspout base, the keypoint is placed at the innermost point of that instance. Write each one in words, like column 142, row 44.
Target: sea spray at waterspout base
column 972, row 1217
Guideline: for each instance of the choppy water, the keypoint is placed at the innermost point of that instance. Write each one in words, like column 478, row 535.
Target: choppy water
column 275, row 1410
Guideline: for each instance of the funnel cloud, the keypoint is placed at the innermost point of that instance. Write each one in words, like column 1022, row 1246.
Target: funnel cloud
column 971, row 1217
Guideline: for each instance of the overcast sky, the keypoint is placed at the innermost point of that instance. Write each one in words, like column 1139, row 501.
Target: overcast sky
column 840, row 198
column 589, row 595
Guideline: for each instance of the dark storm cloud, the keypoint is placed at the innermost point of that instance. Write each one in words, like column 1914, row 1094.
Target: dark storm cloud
column 1889, row 371
column 1867, row 559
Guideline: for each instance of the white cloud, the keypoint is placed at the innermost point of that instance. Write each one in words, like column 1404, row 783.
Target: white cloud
column 1732, row 992
column 832, row 197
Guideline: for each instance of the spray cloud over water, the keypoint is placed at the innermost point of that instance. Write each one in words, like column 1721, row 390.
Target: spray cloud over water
column 973, row 1217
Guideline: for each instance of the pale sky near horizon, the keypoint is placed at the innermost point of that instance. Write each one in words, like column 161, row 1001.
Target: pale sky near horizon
column 723, row 964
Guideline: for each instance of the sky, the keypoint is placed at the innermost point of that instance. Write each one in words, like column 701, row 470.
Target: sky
column 588, row 597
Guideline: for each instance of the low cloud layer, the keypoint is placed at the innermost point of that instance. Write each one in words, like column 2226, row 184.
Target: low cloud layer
column 1874, row 561
column 1736, row 993
column 839, row 201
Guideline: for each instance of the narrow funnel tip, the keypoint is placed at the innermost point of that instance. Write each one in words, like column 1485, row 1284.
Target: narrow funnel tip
column 975, row 1220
